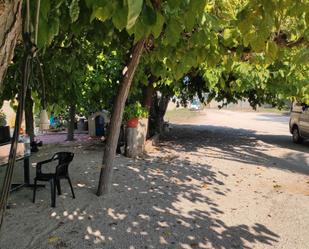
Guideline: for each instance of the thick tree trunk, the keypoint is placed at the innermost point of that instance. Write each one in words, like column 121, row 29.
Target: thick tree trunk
column 148, row 93
column 10, row 30
column 115, row 123
column 29, row 115
column 163, row 103
column 71, row 122
column 157, row 113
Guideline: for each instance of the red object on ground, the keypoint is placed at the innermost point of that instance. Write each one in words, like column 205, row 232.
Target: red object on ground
column 132, row 123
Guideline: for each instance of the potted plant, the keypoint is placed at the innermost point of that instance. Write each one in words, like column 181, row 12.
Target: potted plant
column 4, row 129
column 134, row 112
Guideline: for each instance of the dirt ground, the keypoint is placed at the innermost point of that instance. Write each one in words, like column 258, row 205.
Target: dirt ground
column 221, row 179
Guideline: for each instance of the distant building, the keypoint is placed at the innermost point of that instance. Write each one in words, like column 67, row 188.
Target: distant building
column 10, row 114
column 97, row 123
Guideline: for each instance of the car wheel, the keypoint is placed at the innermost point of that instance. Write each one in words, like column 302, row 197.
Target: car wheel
column 296, row 136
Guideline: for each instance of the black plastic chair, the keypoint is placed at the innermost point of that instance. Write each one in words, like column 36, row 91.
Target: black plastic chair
column 64, row 159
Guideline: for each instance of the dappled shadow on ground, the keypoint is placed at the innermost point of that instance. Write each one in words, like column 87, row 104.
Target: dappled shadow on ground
column 239, row 145
column 160, row 201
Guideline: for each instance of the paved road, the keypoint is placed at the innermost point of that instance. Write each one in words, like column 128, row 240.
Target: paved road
column 259, row 177
column 266, row 131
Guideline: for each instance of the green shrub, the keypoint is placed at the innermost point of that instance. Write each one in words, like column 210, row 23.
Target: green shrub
column 135, row 111
column 2, row 118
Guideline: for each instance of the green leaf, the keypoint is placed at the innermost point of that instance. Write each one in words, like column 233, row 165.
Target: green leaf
column 120, row 18
column 257, row 43
column 134, row 10
column 302, row 57
column 230, row 37
column 189, row 21
column 197, row 6
column 173, row 31
column 139, row 30
column 90, row 3
column 149, row 16
column 57, row 4
column 100, row 13
column 44, row 9
column 103, row 10
column 43, row 34
column 307, row 19
column 174, row 3
column 157, row 28
column 271, row 50
column 227, row 34
column 74, row 10
column 243, row 68
column 306, row 34
column 54, row 27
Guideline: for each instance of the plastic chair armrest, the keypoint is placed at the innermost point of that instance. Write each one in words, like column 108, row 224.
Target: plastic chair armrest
column 40, row 164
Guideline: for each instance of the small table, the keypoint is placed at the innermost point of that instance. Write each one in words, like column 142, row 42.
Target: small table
column 20, row 155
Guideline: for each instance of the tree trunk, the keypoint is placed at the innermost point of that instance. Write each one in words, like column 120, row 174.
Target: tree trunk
column 29, row 115
column 115, row 123
column 163, row 103
column 148, row 93
column 157, row 113
column 10, row 30
column 71, row 122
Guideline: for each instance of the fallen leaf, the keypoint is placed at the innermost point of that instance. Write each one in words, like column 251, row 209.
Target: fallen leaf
column 53, row 239
column 205, row 186
column 167, row 233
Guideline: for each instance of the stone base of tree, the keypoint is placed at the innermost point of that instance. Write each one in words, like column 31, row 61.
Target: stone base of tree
column 135, row 139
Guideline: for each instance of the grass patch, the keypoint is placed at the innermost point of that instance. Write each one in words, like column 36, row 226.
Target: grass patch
column 182, row 114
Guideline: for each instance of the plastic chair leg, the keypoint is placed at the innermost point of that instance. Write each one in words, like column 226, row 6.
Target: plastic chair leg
column 58, row 186
column 53, row 192
column 34, row 191
column 71, row 187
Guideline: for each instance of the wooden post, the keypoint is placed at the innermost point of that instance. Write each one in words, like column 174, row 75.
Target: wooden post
column 29, row 115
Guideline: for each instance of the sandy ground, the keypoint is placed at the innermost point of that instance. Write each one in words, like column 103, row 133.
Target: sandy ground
column 222, row 180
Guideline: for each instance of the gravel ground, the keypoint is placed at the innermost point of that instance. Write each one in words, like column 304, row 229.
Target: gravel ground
column 220, row 180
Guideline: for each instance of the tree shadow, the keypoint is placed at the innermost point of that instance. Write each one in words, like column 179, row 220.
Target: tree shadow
column 160, row 201
column 240, row 145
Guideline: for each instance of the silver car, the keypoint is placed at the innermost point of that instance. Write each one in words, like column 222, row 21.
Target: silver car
column 299, row 122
